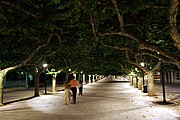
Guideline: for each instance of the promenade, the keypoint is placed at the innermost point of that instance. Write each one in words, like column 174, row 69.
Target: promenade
column 103, row 100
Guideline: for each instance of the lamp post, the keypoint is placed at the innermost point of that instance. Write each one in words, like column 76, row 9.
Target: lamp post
column 69, row 75
column 136, row 81
column 142, row 64
column 144, row 86
column 81, row 75
column 45, row 88
column 81, row 78
column 162, row 80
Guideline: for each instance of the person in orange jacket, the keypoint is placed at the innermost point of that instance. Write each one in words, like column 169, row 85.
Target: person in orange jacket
column 74, row 84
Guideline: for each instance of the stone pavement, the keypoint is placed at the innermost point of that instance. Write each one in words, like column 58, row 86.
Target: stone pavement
column 104, row 100
column 172, row 92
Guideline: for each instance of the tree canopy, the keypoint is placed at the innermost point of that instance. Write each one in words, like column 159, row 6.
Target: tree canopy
column 140, row 29
column 93, row 36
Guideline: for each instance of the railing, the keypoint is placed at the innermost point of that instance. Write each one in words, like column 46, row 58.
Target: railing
column 14, row 83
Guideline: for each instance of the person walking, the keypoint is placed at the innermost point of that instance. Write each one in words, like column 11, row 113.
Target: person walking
column 67, row 93
column 74, row 84
column 80, row 87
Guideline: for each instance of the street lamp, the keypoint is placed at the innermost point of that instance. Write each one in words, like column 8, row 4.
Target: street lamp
column 45, row 65
column 142, row 64
column 45, row 88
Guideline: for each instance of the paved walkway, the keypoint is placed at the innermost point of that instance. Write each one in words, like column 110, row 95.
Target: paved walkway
column 103, row 100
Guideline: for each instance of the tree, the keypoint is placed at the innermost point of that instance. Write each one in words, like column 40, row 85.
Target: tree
column 26, row 28
column 50, row 25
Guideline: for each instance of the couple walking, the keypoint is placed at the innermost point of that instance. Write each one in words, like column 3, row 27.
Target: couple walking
column 73, row 87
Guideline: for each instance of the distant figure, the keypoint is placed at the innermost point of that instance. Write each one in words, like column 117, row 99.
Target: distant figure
column 67, row 93
column 74, row 84
column 110, row 77
column 80, row 87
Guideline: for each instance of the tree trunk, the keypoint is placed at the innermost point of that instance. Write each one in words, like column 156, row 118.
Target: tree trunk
column 89, row 78
column 140, row 81
column 53, row 84
column 36, row 84
column 2, row 75
column 67, row 76
column 134, row 82
column 1, row 88
column 131, row 81
column 151, row 89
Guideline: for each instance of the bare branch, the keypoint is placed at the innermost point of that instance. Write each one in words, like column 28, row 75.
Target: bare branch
column 121, row 34
column 23, row 63
column 155, row 49
column 156, row 7
column 114, row 47
column 127, row 55
column 35, row 50
column 1, row 13
column 65, row 59
column 164, row 58
column 93, row 27
column 156, row 67
column 28, row 13
column 125, row 70
column 120, row 15
column 59, row 38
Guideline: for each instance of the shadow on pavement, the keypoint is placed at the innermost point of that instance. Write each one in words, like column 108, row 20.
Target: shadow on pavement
column 60, row 90
column 176, row 98
column 13, row 101
column 163, row 103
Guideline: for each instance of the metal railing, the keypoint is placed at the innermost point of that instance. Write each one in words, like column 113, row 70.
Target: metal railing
column 14, row 83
